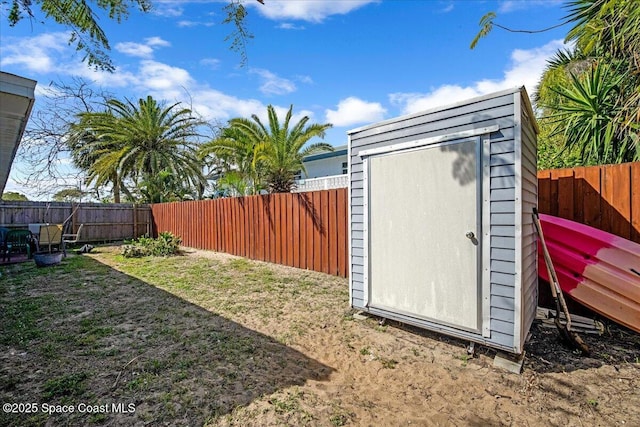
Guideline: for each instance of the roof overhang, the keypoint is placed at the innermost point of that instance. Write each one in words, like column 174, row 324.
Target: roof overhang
column 17, row 95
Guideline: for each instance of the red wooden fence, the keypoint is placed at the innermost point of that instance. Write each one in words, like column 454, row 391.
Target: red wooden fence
column 309, row 230
column 605, row 197
column 304, row 230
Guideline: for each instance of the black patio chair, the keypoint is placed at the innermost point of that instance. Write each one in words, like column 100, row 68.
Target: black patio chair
column 16, row 241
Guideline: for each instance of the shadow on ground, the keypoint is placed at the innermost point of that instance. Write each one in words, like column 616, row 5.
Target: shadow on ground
column 84, row 333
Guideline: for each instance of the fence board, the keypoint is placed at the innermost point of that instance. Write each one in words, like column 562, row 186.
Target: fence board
column 309, row 230
column 288, row 223
column 635, row 204
column 544, row 191
column 605, row 197
column 342, row 243
column 102, row 222
column 308, row 199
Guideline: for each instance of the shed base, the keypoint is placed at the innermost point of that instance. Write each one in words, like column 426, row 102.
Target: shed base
column 510, row 362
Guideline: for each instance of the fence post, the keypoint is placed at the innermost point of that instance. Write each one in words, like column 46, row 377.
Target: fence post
column 135, row 221
column 73, row 218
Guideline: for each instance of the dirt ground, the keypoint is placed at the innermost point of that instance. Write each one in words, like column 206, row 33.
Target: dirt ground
column 210, row 339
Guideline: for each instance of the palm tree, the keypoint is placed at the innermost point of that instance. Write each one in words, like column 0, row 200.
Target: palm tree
column 92, row 154
column 265, row 157
column 589, row 117
column 589, row 96
column 140, row 142
column 234, row 151
column 281, row 150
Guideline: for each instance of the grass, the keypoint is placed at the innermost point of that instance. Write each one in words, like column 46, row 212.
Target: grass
column 157, row 330
column 219, row 341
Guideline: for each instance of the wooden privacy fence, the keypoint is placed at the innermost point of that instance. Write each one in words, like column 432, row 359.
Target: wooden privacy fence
column 102, row 222
column 604, row 197
column 304, row 230
column 309, row 230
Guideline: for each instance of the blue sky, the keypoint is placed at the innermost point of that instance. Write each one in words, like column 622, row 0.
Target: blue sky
column 349, row 63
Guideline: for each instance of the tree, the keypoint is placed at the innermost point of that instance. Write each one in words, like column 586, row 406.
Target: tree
column 281, row 149
column 141, row 143
column 82, row 17
column 256, row 157
column 589, row 118
column 12, row 196
column 589, row 96
column 45, row 139
column 69, row 195
column 233, row 151
column 92, row 154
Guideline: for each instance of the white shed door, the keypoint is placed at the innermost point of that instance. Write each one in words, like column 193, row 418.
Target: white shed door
column 423, row 206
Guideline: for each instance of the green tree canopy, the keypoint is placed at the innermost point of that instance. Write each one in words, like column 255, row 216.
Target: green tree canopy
column 255, row 156
column 12, row 196
column 69, row 195
column 135, row 145
column 588, row 98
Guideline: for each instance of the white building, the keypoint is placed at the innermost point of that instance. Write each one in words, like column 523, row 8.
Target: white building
column 324, row 171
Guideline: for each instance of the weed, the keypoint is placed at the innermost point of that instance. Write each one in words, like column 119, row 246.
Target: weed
column 289, row 404
column 140, row 382
column 240, row 264
column 593, row 402
column 166, row 244
column 50, row 350
column 66, row 385
column 365, row 351
column 19, row 319
column 388, row 363
column 154, row 366
column 97, row 418
column 340, row 417
column 465, row 359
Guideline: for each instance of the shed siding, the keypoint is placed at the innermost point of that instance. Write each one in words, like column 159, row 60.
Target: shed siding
column 529, row 201
column 483, row 112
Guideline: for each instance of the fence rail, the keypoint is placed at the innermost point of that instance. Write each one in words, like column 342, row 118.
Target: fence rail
column 304, row 230
column 102, row 222
column 605, row 197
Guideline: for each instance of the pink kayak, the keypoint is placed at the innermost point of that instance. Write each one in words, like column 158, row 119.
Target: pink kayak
column 597, row 269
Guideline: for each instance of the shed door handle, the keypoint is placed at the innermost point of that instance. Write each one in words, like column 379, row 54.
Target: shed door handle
column 470, row 235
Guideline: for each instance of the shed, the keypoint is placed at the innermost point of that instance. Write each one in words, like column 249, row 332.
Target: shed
column 441, row 233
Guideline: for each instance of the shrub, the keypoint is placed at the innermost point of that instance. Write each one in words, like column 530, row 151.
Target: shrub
column 166, row 244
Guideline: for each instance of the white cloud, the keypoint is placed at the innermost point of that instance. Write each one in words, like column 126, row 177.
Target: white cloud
column 157, row 41
column 34, row 53
column 190, row 24
column 447, row 8
column 272, row 84
column 162, row 77
column 305, row 79
column 290, row 26
column 141, row 50
column 212, row 63
column 311, row 11
column 353, row 111
column 525, row 69
column 167, row 10
column 135, row 49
